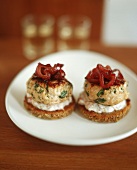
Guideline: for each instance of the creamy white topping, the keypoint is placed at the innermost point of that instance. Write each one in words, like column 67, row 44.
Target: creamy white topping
column 99, row 108
column 52, row 107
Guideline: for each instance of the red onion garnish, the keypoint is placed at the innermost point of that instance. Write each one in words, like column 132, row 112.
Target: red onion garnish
column 47, row 72
column 105, row 76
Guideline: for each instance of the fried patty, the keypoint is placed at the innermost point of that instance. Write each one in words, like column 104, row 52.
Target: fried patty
column 51, row 92
column 111, row 96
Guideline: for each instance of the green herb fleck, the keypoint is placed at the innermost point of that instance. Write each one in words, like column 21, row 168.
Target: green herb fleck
column 100, row 100
column 122, row 89
column 114, row 90
column 87, row 93
column 41, row 90
column 47, row 88
column 36, row 86
column 85, row 85
column 100, row 93
column 63, row 94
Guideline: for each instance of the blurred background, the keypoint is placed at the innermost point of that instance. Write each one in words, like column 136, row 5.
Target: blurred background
column 119, row 26
column 114, row 22
column 11, row 13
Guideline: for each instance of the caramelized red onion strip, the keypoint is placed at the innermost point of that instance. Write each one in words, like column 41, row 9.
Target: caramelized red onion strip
column 104, row 76
column 47, row 72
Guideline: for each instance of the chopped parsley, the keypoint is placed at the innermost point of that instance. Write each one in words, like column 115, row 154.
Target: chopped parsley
column 47, row 88
column 100, row 100
column 100, row 93
column 87, row 93
column 38, row 88
column 63, row 94
column 115, row 90
column 122, row 89
column 85, row 85
column 41, row 90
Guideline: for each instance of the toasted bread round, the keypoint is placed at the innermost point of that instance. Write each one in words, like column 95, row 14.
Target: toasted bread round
column 50, row 114
column 105, row 117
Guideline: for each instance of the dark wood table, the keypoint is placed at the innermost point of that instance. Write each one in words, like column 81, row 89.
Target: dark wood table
column 19, row 150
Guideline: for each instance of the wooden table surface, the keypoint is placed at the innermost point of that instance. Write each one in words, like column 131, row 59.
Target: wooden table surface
column 19, row 150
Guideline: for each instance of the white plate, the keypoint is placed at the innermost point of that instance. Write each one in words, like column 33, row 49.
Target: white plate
column 74, row 129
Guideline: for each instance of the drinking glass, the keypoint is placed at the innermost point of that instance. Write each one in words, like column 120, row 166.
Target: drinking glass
column 38, row 39
column 74, row 32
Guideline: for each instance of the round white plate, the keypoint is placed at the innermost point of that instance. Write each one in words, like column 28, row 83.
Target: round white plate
column 74, row 129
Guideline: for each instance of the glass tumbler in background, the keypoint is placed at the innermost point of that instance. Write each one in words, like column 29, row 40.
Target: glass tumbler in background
column 74, row 32
column 38, row 39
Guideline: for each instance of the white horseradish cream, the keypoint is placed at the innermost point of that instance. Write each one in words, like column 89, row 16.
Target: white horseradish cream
column 99, row 108
column 52, row 107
